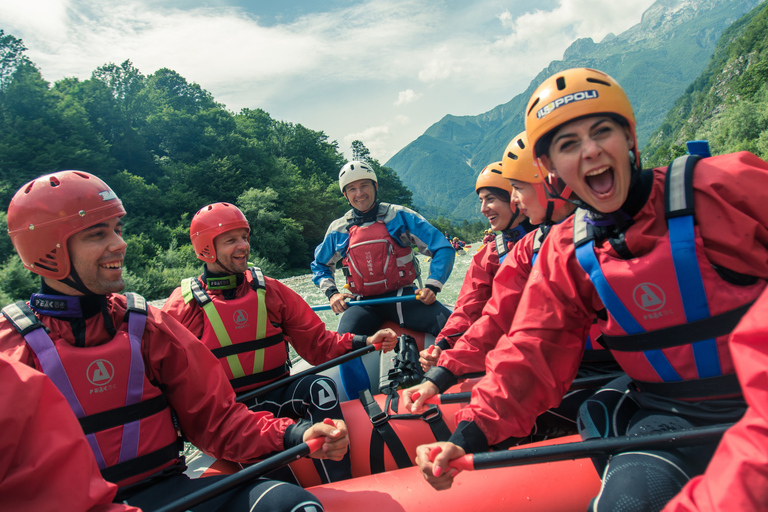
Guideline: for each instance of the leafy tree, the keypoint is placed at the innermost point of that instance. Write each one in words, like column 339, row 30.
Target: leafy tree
column 360, row 152
column 11, row 57
column 16, row 282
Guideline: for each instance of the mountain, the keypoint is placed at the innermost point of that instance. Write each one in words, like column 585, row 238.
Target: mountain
column 655, row 61
column 728, row 103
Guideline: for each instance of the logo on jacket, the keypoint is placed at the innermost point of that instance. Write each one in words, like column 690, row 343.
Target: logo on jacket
column 649, row 297
column 100, row 372
column 240, row 317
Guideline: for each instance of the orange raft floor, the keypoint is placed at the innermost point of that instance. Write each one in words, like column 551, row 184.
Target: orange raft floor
column 556, row 486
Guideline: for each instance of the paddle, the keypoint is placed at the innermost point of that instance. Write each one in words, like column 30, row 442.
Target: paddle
column 369, row 302
column 310, row 371
column 459, row 398
column 584, row 449
column 246, row 475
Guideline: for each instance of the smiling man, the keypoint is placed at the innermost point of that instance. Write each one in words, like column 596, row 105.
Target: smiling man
column 666, row 259
column 373, row 240
column 247, row 320
column 134, row 377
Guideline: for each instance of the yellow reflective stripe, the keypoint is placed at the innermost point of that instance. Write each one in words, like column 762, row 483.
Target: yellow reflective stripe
column 261, row 330
column 223, row 337
column 186, row 289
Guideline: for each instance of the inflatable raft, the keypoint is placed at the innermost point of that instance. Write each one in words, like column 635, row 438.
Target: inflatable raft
column 555, row 486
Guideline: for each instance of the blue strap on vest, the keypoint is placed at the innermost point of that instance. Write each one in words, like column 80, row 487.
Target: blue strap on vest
column 680, row 222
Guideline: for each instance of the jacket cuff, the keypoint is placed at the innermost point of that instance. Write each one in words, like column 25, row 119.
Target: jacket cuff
column 444, row 344
column 441, row 377
column 434, row 288
column 469, row 436
column 330, row 292
column 359, row 341
column 294, row 434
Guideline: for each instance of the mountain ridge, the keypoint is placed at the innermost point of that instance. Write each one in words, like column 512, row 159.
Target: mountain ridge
column 655, row 61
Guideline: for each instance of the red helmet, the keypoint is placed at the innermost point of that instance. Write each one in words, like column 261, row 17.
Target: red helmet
column 45, row 212
column 211, row 221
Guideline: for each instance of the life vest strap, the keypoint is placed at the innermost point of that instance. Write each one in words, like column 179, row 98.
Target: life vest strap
column 115, row 417
column 381, row 435
column 141, row 464
column 248, row 346
column 698, row 389
column 677, row 335
column 255, row 378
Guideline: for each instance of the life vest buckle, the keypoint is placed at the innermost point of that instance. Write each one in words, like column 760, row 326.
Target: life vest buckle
column 379, row 418
column 431, row 415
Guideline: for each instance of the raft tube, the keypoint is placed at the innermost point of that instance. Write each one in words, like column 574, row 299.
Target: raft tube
column 555, row 486
column 411, row 432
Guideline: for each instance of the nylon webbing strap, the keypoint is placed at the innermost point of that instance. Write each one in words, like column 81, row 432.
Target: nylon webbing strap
column 248, row 346
column 142, row 464
column 260, row 377
column 261, row 318
column 676, row 335
column 217, row 325
column 722, row 385
column 116, row 417
column 679, row 213
column 381, row 435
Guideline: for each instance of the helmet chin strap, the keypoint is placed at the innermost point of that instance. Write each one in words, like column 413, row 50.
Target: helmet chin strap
column 229, row 270
column 73, row 280
column 515, row 215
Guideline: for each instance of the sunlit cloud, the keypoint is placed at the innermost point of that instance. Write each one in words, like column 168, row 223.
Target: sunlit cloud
column 406, row 96
column 469, row 57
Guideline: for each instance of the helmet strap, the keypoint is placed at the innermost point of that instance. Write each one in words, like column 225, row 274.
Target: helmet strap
column 73, row 280
column 515, row 215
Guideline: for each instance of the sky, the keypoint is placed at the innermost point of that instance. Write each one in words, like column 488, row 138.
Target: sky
column 380, row 71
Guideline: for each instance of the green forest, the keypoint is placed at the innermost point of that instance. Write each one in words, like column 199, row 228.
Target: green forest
column 167, row 148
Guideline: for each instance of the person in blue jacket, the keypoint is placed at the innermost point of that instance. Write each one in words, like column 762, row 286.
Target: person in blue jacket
column 373, row 241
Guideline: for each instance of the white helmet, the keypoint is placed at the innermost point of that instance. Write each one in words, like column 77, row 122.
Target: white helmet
column 353, row 171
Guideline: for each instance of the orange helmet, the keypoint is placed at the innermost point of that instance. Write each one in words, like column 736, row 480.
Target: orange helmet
column 491, row 176
column 569, row 95
column 45, row 212
column 211, row 221
column 517, row 164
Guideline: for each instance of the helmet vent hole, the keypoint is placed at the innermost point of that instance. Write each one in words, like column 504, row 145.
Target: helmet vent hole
column 495, row 171
column 521, row 143
column 512, row 155
column 598, row 81
column 54, row 181
column 536, row 102
column 29, row 187
column 560, row 83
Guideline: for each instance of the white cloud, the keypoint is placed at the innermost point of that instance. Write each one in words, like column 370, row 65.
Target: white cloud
column 323, row 69
column 406, row 96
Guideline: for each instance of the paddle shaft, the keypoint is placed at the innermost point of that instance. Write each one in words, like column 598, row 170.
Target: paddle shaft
column 369, row 302
column 246, row 475
column 584, row 449
column 582, row 383
column 310, row 371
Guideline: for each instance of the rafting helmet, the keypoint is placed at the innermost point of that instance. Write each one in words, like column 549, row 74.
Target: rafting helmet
column 353, row 171
column 45, row 212
column 211, row 221
column 517, row 164
column 490, row 177
column 572, row 94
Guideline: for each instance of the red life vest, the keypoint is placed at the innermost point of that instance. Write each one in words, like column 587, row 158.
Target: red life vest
column 375, row 263
column 252, row 351
column 126, row 419
column 669, row 312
